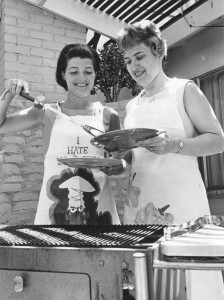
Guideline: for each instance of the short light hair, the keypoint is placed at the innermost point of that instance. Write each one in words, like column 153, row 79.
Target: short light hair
column 146, row 32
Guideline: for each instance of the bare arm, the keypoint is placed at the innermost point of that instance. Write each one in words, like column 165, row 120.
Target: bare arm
column 111, row 119
column 22, row 120
column 126, row 154
column 26, row 119
column 210, row 138
column 128, row 157
column 111, row 123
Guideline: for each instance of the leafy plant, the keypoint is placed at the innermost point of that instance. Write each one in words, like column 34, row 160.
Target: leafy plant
column 114, row 75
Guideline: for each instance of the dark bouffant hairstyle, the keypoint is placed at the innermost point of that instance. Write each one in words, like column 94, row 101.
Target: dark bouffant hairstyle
column 75, row 50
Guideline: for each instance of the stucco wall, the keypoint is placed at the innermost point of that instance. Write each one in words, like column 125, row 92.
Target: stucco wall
column 198, row 55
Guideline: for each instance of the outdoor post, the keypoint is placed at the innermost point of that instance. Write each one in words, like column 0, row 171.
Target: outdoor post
column 141, row 280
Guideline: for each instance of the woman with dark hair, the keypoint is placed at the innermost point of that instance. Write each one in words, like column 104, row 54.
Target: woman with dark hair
column 69, row 195
column 76, row 50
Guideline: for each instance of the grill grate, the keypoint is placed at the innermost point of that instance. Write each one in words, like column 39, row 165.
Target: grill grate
column 124, row 236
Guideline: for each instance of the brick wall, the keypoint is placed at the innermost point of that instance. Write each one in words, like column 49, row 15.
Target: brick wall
column 30, row 42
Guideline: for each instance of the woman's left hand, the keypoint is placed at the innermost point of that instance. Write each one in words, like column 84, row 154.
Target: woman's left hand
column 161, row 144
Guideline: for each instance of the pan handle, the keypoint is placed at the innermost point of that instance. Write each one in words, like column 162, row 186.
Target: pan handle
column 91, row 130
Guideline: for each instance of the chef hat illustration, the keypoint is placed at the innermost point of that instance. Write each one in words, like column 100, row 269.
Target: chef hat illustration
column 77, row 183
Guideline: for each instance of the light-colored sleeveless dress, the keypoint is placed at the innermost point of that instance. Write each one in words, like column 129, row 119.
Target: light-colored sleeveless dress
column 163, row 188
column 166, row 189
column 74, row 195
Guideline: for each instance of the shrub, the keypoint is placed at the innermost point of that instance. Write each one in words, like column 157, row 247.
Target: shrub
column 114, row 74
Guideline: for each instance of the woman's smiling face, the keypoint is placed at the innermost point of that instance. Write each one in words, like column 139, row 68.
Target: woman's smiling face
column 80, row 76
column 142, row 64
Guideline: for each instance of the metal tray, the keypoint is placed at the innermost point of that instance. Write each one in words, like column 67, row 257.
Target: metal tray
column 124, row 139
column 92, row 163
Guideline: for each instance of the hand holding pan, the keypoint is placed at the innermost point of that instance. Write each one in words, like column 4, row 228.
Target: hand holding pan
column 91, row 130
column 121, row 140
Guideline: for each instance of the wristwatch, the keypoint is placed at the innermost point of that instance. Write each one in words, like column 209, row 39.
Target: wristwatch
column 181, row 145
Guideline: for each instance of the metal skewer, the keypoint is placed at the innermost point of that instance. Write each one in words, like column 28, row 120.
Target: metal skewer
column 87, row 128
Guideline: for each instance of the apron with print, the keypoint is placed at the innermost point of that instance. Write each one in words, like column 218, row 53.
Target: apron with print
column 75, row 195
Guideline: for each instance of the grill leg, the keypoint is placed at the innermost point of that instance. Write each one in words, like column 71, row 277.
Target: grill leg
column 155, row 284
column 189, row 281
column 141, row 280
column 169, row 284
column 172, row 283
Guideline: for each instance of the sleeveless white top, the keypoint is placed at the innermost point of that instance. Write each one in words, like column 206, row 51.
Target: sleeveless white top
column 168, row 188
column 75, row 195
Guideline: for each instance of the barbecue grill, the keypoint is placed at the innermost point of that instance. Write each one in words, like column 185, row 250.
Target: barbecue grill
column 194, row 245
column 75, row 262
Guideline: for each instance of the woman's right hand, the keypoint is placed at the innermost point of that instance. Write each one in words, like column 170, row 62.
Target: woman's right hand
column 114, row 170
column 14, row 86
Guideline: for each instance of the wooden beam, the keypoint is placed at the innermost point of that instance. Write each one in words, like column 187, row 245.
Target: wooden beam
column 37, row 2
column 94, row 19
column 85, row 15
column 203, row 15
